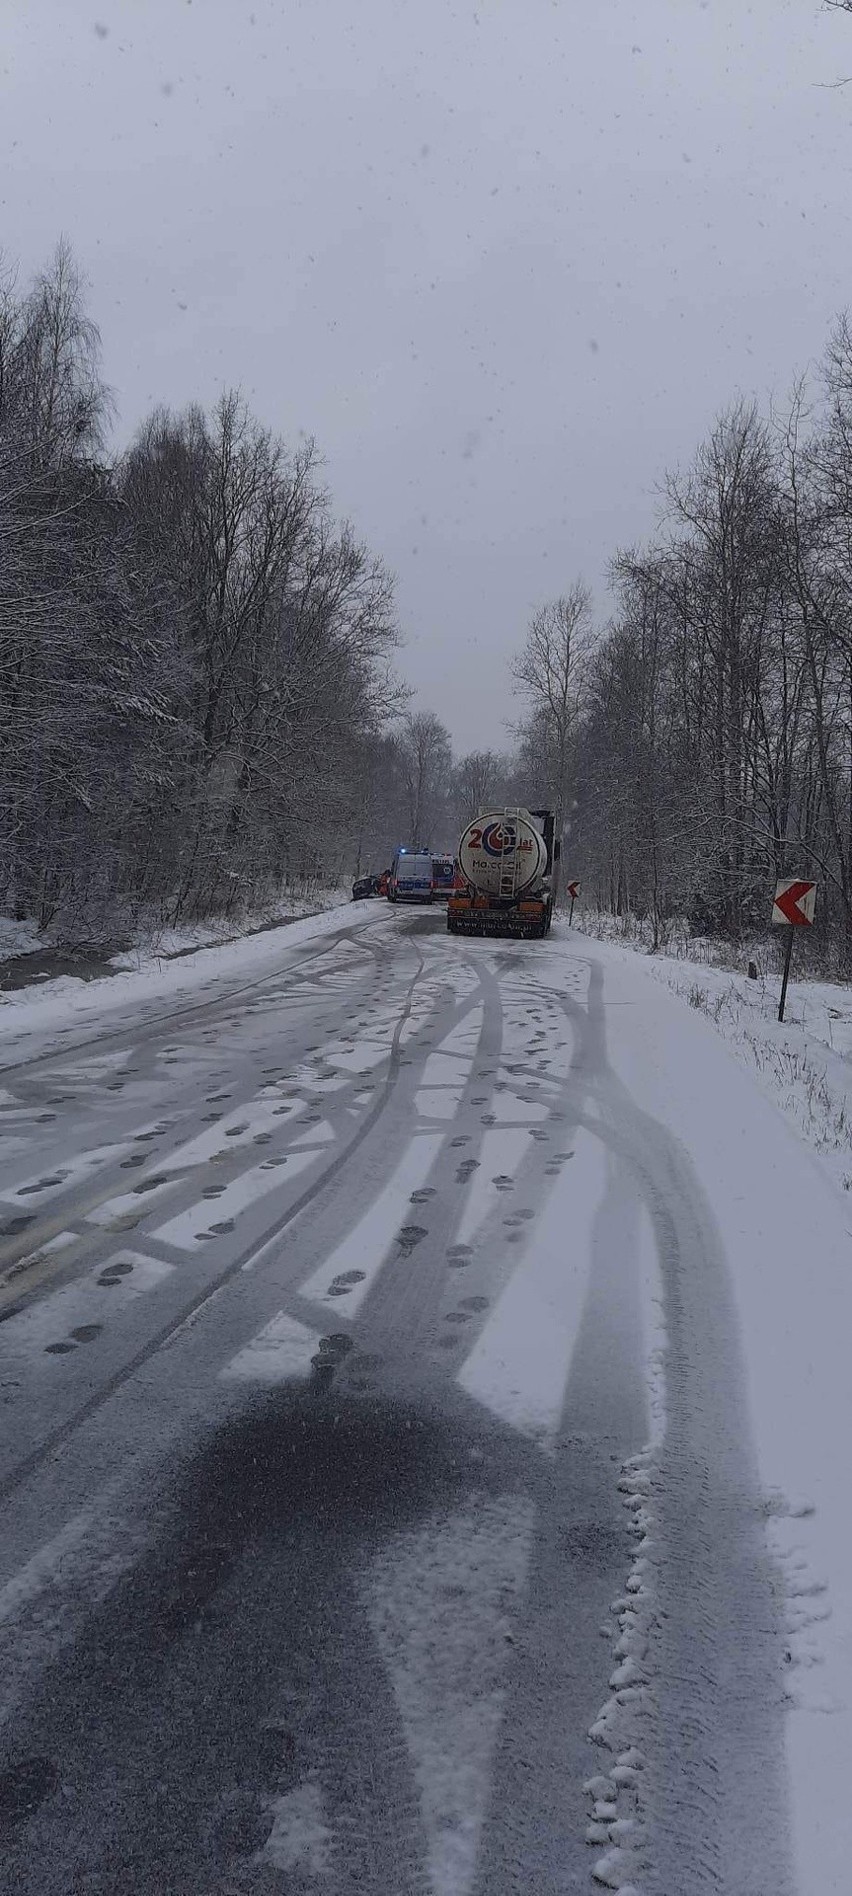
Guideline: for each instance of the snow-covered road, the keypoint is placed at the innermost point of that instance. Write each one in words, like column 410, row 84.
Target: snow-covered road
column 419, row 1466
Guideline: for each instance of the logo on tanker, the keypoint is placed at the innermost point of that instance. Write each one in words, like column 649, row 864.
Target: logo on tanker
column 498, row 839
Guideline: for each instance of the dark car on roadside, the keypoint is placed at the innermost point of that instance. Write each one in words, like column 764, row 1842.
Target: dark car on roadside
column 364, row 886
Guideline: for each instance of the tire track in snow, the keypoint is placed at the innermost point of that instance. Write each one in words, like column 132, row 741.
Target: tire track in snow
column 403, row 1303
column 706, row 1709
column 254, row 1253
column 146, row 1027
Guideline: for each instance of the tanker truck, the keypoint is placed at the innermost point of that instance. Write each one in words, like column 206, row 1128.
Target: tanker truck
column 508, row 862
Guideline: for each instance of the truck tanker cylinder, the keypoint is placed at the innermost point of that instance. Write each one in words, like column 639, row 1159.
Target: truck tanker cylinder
column 503, row 856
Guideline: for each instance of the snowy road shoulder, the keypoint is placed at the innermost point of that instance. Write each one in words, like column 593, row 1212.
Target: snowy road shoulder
column 786, row 1237
column 28, row 1012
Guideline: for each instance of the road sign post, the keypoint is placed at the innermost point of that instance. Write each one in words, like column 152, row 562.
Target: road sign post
column 573, row 890
column 786, row 975
column 792, row 908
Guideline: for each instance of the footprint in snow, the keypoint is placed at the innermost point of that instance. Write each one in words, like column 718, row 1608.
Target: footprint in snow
column 341, row 1285
column 420, row 1198
column 113, row 1273
column 410, row 1235
column 14, row 1225
column 503, row 1182
column 466, row 1170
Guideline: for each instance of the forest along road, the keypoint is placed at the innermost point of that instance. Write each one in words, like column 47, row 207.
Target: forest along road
column 333, row 1431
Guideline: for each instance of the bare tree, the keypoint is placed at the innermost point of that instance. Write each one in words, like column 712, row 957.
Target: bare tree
column 551, row 671
column 427, row 752
column 192, row 651
column 477, row 778
column 725, row 512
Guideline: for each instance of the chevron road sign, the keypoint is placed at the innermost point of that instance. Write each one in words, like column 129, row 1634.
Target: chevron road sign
column 793, row 907
column 794, row 902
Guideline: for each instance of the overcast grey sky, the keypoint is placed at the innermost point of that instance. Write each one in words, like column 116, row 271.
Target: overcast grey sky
column 505, row 259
